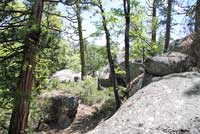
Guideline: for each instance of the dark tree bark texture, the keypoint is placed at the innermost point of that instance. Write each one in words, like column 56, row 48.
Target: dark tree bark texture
column 126, row 4
column 168, row 26
column 81, row 41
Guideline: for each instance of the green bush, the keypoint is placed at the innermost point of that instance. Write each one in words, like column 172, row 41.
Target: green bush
column 106, row 110
column 86, row 89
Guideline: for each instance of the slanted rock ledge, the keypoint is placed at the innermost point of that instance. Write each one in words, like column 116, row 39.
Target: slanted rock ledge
column 170, row 105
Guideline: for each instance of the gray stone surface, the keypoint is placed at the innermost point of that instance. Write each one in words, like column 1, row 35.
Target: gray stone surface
column 66, row 75
column 138, row 83
column 103, row 74
column 182, row 45
column 135, row 65
column 59, row 108
column 189, row 45
column 195, row 50
column 120, row 56
column 168, row 63
column 170, row 105
column 136, row 68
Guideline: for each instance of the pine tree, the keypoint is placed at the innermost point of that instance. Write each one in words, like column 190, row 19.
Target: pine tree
column 126, row 4
column 168, row 25
column 81, row 41
column 19, row 119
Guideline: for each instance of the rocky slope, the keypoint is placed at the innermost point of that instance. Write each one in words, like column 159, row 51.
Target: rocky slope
column 170, row 105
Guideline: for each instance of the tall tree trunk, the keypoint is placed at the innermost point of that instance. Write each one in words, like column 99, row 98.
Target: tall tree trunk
column 110, row 59
column 81, row 41
column 168, row 26
column 19, row 119
column 197, row 16
column 126, row 4
column 154, row 23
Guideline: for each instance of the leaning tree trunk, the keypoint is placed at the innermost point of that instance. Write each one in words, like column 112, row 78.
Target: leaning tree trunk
column 126, row 4
column 110, row 59
column 81, row 41
column 19, row 119
column 197, row 16
column 168, row 26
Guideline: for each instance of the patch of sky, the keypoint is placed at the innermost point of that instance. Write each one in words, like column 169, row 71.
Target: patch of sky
column 178, row 31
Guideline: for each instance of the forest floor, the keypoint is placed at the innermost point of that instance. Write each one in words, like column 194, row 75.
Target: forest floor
column 83, row 122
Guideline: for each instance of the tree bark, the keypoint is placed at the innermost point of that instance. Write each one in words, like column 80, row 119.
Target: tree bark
column 168, row 26
column 154, row 23
column 110, row 59
column 81, row 41
column 197, row 16
column 19, row 119
column 126, row 4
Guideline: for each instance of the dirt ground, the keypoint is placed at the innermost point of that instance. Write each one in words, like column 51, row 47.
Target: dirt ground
column 83, row 122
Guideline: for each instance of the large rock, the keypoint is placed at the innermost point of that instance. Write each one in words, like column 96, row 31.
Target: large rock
column 105, row 80
column 104, row 76
column 195, row 50
column 135, row 65
column 138, row 83
column 136, row 68
column 182, row 45
column 168, row 106
column 104, row 72
column 120, row 56
column 168, row 63
column 66, row 75
column 59, row 108
column 189, row 45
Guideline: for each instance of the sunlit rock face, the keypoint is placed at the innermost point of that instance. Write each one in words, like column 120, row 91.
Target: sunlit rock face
column 182, row 45
column 170, row 105
column 168, row 63
column 136, row 68
column 189, row 45
column 139, row 82
column 66, row 75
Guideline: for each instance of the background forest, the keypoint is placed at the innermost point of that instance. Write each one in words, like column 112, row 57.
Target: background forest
column 40, row 37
